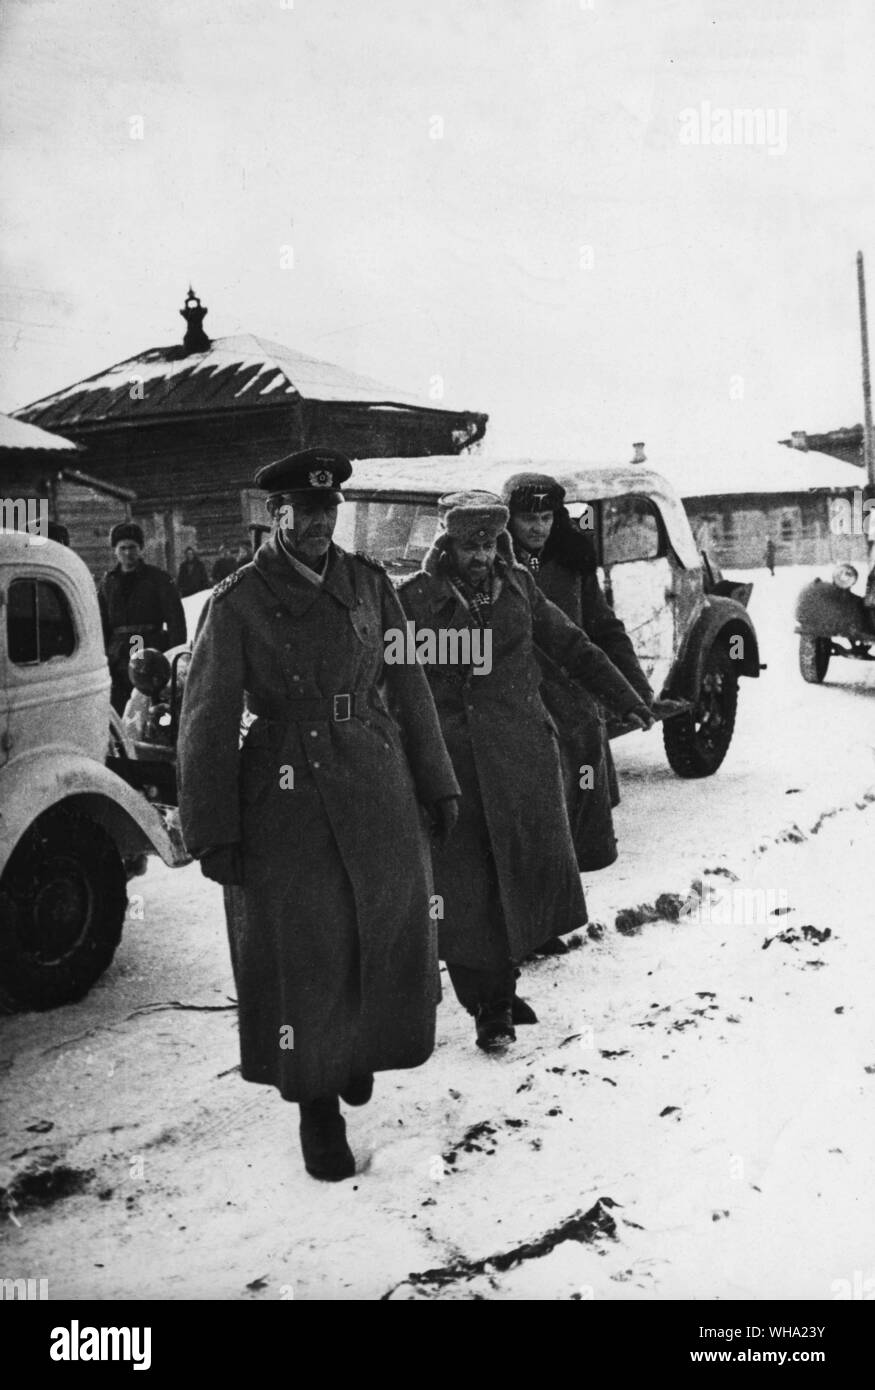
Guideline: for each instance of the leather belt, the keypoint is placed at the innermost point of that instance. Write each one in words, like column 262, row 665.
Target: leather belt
column 349, row 704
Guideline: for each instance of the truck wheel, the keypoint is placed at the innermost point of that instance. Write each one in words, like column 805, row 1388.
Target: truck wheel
column 62, row 907
column 814, row 654
column 696, row 743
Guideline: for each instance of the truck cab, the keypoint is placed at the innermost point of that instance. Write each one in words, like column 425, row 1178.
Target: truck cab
column 73, row 827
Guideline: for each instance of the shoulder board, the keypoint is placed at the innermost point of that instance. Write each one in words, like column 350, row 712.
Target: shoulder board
column 370, row 560
column 227, row 584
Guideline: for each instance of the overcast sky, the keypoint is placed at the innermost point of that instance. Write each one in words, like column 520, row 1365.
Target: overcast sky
column 500, row 193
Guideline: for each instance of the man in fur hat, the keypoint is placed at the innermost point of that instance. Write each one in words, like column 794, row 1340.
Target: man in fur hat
column 509, row 882
column 562, row 561
column 139, row 607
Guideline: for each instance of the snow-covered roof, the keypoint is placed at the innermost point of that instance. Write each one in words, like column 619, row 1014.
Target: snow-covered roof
column 233, row 373
column 772, row 468
column 15, row 434
column 583, row 482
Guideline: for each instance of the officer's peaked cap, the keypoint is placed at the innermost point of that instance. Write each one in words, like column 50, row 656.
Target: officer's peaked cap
column 319, row 471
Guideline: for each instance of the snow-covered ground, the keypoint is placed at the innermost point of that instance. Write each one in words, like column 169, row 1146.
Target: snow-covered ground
column 691, row 1118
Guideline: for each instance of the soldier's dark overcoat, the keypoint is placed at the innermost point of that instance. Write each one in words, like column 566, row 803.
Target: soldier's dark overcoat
column 509, row 876
column 568, row 578
column 331, row 933
column 143, row 603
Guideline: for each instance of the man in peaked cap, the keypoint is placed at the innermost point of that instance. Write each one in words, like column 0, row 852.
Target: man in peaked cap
column 317, row 825
column 139, row 606
column 509, row 880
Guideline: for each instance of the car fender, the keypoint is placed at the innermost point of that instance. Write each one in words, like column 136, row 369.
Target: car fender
column 48, row 778
column 721, row 620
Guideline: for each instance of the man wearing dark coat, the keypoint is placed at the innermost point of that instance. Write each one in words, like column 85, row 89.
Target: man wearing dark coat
column 192, row 576
column 315, row 821
column 224, row 563
column 509, row 881
column 562, row 562
column 139, row 607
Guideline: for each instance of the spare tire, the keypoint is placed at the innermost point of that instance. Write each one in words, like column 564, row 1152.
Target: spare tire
column 63, row 900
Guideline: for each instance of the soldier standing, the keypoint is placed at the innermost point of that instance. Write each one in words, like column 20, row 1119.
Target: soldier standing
column 509, row 882
column 562, row 562
column 224, row 563
column 315, row 824
column 139, row 607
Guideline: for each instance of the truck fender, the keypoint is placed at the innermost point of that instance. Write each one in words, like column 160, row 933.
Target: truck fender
column 48, row 778
column 721, row 620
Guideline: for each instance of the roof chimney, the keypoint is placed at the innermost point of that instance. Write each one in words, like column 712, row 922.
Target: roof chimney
column 639, row 455
column 194, row 313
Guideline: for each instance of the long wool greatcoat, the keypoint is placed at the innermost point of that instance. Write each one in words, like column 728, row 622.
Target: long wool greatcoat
column 331, row 934
column 567, row 577
column 508, row 877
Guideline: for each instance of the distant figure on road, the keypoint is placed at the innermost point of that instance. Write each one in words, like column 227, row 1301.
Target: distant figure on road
column 224, row 564
column 771, row 551
column 192, row 577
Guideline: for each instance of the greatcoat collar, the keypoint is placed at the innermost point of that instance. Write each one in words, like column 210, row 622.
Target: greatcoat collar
column 292, row 590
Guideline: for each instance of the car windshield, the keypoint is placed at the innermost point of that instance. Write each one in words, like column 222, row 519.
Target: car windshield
column 396, row 533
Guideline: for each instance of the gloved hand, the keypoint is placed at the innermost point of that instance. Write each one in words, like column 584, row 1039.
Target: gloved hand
column 669, row 709
column 444, row 815
column 223, row 864
column 639, row 716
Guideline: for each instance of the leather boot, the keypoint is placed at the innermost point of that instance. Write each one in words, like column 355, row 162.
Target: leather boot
column 521, row 1011
column 358, row 1090
column 554, row 947
column 323, row 1140
column 494, row 1026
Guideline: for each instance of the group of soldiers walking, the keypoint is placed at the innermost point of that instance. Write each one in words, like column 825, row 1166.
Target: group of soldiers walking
column 367, row 819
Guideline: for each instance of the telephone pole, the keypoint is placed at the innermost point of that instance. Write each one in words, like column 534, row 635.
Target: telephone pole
column 867, row 384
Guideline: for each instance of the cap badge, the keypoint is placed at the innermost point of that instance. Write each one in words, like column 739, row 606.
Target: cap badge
column 320, row 477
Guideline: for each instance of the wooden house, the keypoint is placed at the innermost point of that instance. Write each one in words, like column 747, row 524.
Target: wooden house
column 183, row 428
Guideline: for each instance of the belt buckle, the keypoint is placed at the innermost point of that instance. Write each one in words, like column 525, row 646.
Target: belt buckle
column 337, row 706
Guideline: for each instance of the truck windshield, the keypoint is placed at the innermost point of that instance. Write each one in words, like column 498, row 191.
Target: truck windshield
column 396, row 533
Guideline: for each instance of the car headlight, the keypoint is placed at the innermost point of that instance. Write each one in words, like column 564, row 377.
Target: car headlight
column 844, row 576
column 149, row 671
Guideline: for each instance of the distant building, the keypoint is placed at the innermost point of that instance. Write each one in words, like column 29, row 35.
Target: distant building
column 738, row 503
column 845, row 443
column 183, row 428
column 40, row 467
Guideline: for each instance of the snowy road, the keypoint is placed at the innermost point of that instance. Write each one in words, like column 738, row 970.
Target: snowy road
column 691, row 1118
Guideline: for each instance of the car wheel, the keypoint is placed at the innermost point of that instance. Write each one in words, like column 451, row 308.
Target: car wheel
column 696, row 743
column 814, row 654
column 62, row 908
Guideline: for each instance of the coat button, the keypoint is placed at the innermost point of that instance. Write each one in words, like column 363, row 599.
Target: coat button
column 317, row 764
column 296, row 678
column 278, row 613
column 314, row 733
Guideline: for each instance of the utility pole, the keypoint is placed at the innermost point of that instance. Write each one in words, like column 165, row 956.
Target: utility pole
column 867, row 384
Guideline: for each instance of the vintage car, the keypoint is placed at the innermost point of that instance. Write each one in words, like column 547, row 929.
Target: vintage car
column 831, row 620
column 79, row 811
column 690, row 628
